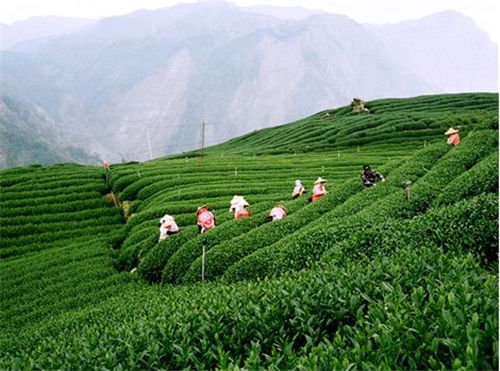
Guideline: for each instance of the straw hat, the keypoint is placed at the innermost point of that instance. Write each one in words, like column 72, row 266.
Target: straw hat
column 201, row 208
column 320, row 180
column 451, row 131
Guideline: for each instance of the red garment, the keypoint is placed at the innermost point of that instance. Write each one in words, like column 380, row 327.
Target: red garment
column 453, row 139
column 318, row 192
column 242, row 213
column 206, row 220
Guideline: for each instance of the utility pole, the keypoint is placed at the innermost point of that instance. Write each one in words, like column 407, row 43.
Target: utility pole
column 202, row 141
column 149, row 145
column 203, row 264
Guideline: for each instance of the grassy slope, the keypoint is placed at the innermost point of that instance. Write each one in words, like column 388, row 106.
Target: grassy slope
column 59, row 288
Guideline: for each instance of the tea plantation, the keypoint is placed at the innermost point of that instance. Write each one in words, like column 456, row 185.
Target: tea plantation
column 388, row 277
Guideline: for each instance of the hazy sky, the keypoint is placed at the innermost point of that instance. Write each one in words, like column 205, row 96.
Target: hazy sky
column 484, row 12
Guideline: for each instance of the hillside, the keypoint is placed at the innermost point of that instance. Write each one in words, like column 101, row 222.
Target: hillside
column 363, row 278
column 28, row 136
column 161, row 73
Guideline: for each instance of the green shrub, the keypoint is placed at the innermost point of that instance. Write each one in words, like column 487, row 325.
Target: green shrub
column 481, row 178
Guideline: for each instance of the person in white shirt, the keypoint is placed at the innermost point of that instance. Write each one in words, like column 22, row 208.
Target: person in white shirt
column 299, row 190
column 168, row 226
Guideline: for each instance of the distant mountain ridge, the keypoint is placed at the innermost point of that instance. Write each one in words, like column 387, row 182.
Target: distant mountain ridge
column 447, row 62
column 40, row 28
column 141, row 84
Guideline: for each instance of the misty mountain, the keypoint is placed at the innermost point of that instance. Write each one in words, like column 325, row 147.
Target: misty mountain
column 28, row 136
column 141, row 85
column 40, row 28
column 446, row 50
column 284, row 12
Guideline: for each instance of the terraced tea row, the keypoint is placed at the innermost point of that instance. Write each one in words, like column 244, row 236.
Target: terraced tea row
column 391, row 121
column 55, row 244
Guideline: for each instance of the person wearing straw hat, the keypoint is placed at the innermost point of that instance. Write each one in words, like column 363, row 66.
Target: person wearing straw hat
column 278, row 212
column 205, row 219
column 369, row 177
column 240, row 209
column 235, row 201
column 454, row 139
column 299, row 190
column 168, row 226
column 318, row 190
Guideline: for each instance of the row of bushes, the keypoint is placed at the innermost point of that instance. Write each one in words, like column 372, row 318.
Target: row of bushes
column 481, row 178
column 52, row 200
column 66, row 182
column 34, row 248
column 48, row 174
column 180, row 261
column 216, row 166
column 156, row 206
column 468, row 226
column 142, row 237
column 57, row 235
column 84, row 188
column 75, row 206
column 70, row 217
column 414, row 309
column 39, row 228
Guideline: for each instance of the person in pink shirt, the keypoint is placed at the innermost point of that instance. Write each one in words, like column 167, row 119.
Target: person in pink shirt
column 206, row 220
column 454, row 139
column 319, row 190
column 278, row 212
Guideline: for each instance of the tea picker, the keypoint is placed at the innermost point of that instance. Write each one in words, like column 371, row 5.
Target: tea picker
column 369, row 177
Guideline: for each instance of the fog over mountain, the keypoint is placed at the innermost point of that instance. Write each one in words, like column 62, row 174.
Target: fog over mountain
column 39, row 28
column 144, row 82
column 28, row 136
column 446, row 49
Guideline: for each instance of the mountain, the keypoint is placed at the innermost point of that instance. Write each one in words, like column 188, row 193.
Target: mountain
column 446, row 50
column 284, row 12
column 29, row 136
column 40, row 28
column 141, row 85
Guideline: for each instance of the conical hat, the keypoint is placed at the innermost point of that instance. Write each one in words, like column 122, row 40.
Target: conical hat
column 451, row 131
column 201, row 208
column 320, row 180
column 236, row 199
column 242, row 203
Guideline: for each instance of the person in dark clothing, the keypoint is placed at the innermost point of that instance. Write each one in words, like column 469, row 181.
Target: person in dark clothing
column 369, row 176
